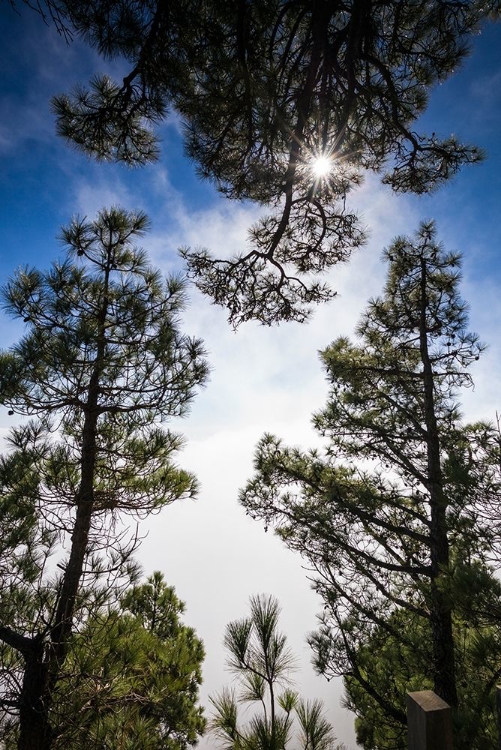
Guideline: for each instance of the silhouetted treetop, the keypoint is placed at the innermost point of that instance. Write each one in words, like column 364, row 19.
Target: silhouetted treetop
column 264, row 89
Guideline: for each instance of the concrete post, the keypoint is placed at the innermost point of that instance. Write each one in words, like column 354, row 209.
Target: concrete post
column 429, row 722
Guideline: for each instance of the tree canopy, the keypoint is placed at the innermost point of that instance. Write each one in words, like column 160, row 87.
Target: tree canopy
column 264, row 89
column 101, row 366
column 399, row 518
column 400, row 513
column 131, row 676
column 260, row 658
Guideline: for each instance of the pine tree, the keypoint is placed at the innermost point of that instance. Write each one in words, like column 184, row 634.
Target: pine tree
column 394, row 665
column 132, row 676
column 129, row 680
column 262, row 661
column 101, row 365
column 404, row 503
column 265, row 88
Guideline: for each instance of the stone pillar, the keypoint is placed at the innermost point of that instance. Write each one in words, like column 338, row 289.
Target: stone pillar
column 429, row 722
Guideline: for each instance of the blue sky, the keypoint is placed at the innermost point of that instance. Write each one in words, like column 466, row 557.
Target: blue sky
column 263, row 379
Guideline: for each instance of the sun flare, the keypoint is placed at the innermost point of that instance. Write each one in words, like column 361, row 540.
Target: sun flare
column 321, row 166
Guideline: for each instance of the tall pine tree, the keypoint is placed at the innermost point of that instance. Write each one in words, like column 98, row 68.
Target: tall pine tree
column 101, row 366
column 404, row 503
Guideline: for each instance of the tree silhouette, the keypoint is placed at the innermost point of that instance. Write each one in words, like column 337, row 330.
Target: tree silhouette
column 101, row 366
column 264, row 89
column 404, row 503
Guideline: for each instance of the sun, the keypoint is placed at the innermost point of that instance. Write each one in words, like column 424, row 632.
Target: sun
column 321, row 166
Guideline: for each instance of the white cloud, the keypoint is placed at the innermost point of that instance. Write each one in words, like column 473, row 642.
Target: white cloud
column 89, row 198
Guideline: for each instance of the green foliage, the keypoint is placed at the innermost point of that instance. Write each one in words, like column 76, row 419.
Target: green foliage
column 315, row 731
column 264, row 88
column 256, row 644
column 127, row 682
column 260, row 658
column 138, row 669
column 397, row 665
column 399, row 516
column 101, row 366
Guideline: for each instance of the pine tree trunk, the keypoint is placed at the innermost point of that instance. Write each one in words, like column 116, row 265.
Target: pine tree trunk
column 45, row 668
column 441, row 614
column 44, row 662
column 43, row 665
column 34, row 728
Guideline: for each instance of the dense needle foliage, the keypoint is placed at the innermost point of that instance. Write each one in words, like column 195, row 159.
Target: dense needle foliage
column 399, row 516
column 264, row 88
column 101, row 366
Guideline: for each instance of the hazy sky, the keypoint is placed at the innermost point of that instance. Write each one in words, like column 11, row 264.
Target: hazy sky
column 262, row 379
